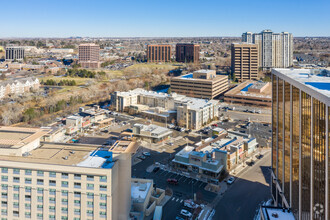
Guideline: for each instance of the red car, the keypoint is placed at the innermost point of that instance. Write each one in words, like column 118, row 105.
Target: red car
column 172, row 181
column 215, row 125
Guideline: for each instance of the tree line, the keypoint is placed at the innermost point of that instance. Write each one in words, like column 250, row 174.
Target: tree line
column 83, row 73
column 65, row 82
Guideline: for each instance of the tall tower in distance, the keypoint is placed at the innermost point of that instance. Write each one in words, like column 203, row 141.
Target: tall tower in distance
column 89, row 55
column 275, row 49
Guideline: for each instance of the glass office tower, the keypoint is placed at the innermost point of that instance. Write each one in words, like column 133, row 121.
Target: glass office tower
column 300, row 142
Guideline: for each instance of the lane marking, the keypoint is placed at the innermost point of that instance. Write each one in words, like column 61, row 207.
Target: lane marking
column 173, row 198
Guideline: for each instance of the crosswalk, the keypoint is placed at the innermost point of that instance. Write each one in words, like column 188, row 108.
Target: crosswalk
column 174, row 199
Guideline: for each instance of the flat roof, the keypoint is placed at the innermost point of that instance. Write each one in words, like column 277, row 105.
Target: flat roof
column 17, row 137
column 140, row 189
column 185, row 151
column 67, row 154
column 241, row 90
column 274, row 213
column 315, row 82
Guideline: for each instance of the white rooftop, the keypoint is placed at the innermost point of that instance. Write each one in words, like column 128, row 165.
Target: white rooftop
column 314, row 82
column 139, row 190
column 193, row 103
column 185, row 151
column 277, row 214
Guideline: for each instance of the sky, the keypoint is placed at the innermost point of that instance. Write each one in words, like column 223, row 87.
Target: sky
column 160, row 18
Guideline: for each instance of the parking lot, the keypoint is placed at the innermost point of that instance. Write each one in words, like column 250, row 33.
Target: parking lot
column 185, row 189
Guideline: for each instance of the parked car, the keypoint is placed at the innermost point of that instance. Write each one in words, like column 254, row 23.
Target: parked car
column 142, row 157
column 171, row 126
column 215, row 125
column 179, row 218
column 182, row 129
column 128, row 130
column 190, row 204
column 173, row 181
column 231, row 180
column 147, row 154
column 155, row 169
column 251, row 163
column 185, row 213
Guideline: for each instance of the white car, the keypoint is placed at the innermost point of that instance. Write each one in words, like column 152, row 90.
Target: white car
column 231, row 180
column 190, row 204
column 146, row 154
column 185, row 213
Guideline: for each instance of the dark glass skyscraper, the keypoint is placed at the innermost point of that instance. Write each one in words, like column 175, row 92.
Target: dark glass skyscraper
column 300, row 142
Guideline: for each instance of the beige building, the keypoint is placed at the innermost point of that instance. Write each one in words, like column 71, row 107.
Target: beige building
column 89, row 55
column 191, row 113
column 251, row 93
column 275, row 49
column 200, row 84
column 18, row 86
column 244, row 61
column 43, row 180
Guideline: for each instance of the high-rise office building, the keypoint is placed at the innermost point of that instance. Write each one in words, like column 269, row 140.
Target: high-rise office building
column 300, row 142
column 275, row 49
column 244, row 61
column 187, row 53
column 89, row 55
column 14, row 53
column 43, row 180
column 159, row 53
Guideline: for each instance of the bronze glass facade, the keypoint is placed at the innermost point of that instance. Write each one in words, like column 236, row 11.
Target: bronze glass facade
column 300, row 146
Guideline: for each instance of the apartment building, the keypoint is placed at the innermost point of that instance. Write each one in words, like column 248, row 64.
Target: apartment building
column 14, row 53
column 44, row 180
column 275, row 49
column 89, row 55
column 251, row 93
column 187, row 53
column 300, row 142
column 200, row 84
column 18, row 86
column 159, row 53
column 244, row 61
column 191, row 113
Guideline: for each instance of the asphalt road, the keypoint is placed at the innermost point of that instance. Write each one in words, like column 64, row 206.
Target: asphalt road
column 249, row 190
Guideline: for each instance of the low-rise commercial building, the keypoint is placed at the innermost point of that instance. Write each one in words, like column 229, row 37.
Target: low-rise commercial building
column 44, row 180
column 206, row 165
column 251, row 93
column 200, row 84
column 191, row 113
column 151, row 133
column 210, row 160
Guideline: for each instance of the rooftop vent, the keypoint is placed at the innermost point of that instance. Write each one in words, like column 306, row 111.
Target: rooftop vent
column 274, row 215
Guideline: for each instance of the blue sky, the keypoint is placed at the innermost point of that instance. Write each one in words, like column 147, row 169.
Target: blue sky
column 156, row 18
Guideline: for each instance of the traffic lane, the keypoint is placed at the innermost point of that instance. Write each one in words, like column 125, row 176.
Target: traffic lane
column 249, row 190
column 172, row 209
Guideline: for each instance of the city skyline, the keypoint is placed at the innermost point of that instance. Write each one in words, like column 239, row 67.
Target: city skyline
column 152, row 19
